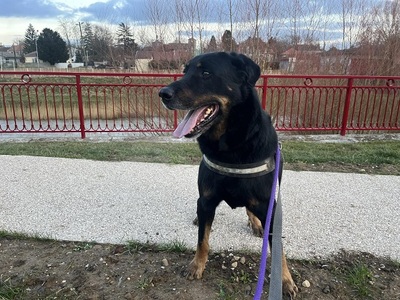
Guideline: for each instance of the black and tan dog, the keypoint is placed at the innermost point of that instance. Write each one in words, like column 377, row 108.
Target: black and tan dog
column 236, row 138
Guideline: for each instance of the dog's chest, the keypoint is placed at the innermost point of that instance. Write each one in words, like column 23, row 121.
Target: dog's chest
column 234, row 203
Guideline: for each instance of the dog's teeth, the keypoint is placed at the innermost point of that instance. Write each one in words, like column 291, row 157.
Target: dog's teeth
column 207, row 113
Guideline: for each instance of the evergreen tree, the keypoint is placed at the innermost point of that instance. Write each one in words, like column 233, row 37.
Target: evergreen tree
column 30, row 40
column 51, row 47
column 212, row 45
column 228, row 42
column 125, row 37
column 78, row 56
column 87, row 42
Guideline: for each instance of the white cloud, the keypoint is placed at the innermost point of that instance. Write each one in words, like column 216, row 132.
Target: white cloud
column 17, row 26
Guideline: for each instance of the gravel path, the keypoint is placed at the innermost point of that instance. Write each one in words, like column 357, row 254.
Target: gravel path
column 114, row 202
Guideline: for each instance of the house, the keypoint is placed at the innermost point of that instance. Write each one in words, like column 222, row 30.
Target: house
column 261, row 52
column 142, row 59
column 160, row 56
column 8, row 60
column 10, row 56
column 17, row 50
column 301, row 59
column 31, row 58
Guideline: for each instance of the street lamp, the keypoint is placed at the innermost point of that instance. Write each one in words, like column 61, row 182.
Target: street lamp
column 37, row 52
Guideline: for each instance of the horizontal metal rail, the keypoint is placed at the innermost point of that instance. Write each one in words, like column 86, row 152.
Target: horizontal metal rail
column 84, row 103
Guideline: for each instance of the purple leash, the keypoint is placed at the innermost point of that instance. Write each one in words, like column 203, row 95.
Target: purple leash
column 264, row 251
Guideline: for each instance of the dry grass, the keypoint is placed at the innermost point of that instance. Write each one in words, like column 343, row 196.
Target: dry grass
column 290, row 102
column 57, row 102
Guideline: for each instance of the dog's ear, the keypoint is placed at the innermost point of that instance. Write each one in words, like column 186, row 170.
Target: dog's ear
column 248, row 68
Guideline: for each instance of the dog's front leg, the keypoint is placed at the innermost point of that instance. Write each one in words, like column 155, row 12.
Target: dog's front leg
column 205, row 216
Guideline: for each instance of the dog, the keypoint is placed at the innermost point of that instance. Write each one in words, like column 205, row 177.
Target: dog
column 236, row 138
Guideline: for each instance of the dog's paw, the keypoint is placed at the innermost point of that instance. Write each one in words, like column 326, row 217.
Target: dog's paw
column 255, row 224
column 258, row 231
column 195, row 270
column 289, row 287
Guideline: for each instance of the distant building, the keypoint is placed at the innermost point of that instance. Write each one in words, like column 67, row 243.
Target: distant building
column 264, row 54
column 31, row 58
column 301, row 58
column 11, row 56
column 160, row 56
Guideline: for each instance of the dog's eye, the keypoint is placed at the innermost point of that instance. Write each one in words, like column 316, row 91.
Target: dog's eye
column 206, row 74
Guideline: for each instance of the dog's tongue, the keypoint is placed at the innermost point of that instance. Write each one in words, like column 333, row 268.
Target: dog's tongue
column 188, row 123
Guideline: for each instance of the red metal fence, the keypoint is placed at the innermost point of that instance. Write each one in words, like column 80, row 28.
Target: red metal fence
column 65, row 102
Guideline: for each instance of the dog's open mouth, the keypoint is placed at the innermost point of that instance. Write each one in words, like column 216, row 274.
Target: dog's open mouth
column 196, row 121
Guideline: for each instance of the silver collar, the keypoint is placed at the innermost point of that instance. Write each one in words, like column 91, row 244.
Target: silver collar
column 244, row 170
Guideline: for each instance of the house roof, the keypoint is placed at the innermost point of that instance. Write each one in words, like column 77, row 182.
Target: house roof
column 144, row 54
column 6, row 54
column 17, row 48
column 31, row 54
column 294, row 51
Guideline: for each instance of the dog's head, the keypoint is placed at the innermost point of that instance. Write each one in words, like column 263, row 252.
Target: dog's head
column 212, row 84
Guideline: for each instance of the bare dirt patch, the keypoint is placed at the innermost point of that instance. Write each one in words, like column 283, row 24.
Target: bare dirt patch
column 34, row 269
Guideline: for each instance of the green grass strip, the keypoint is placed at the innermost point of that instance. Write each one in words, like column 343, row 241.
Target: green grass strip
column 373, row 152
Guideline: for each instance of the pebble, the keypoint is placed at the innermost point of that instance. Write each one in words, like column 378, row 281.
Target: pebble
column 234, row 264
column 243, row 260
column 247, row 290
column 165, row 262
column 326, row 289
column 306, row 284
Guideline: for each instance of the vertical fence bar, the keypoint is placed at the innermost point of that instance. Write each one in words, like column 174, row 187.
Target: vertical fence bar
column 175, row 111
column 264, row 93
column 80, row 105
column 347, row 106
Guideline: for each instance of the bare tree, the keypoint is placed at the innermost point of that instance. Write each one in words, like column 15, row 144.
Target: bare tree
column 68, row 31
column 202, row 12
column 158, row 14
column 229, row 17
column 352, row 13
column 379, row 40
column 257, row 21
column 294, row 15
column 179, row 18
column 231, row 9
column 102, row 44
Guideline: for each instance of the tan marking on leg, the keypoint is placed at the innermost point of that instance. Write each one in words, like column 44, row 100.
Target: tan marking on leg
column 255, row 224
column 288, row 285
column 198, row 263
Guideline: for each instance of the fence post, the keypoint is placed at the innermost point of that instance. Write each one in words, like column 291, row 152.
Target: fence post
column 80, row 105
column 346, row 106
column 264, row 93
column 175, row 111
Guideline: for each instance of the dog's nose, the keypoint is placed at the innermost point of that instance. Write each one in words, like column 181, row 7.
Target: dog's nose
column 166, row 93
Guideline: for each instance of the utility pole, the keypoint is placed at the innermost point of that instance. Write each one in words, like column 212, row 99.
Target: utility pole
column 37, row 52
column 15, row 57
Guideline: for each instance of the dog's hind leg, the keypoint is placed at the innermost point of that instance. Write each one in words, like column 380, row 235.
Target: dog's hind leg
column 205, row 215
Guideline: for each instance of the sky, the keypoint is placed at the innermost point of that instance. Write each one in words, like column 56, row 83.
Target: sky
column 16, row 15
